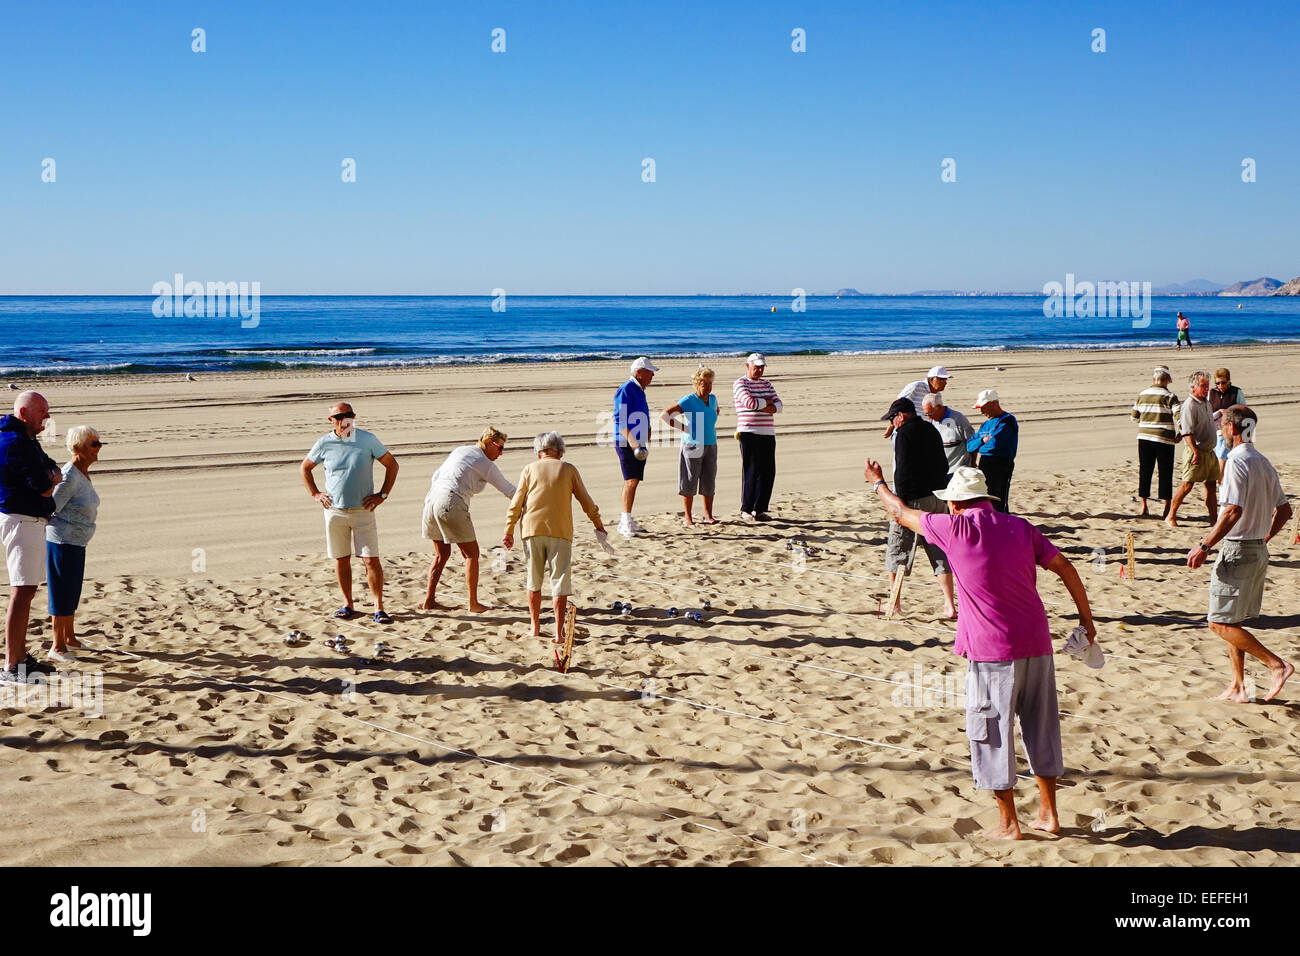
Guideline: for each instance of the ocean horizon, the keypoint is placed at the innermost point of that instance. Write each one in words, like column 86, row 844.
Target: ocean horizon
column 114, row 334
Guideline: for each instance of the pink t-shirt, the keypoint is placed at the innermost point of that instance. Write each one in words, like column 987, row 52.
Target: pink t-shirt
column 995, row 558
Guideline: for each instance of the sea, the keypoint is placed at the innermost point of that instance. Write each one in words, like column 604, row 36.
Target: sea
column 104, row 335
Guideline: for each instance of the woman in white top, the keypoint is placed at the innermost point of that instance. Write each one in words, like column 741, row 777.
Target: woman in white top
column 76, row 507
column 467, row 470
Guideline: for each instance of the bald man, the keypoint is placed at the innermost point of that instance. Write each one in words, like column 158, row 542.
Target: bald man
column 28, row 478
column 350, row 500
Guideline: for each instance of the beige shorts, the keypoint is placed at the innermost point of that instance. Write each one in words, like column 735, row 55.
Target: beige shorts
column 446, row 518
column 557, row 553
column 1207, row 470
column 1237, row 581
column 24, row 543
column 350, row 531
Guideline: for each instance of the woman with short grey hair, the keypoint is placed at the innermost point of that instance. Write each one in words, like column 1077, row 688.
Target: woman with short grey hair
column 76, row 508
column 548, row 441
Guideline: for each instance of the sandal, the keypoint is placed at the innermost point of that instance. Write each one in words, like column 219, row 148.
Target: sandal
column 381, row 617
column 344, row 613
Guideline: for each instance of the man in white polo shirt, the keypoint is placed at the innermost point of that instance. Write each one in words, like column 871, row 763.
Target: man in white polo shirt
column 935, row 381
column 1253, row 509
column 349, row 500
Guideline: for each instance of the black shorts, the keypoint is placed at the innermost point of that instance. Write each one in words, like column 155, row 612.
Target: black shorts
column 633, row 467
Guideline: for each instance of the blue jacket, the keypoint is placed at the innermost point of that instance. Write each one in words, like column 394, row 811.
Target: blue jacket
column 997, row 437
column 24, row 472
column 631, row 411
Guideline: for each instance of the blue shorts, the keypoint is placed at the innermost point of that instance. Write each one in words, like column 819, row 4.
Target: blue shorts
column 65, row 569
column 633, row 467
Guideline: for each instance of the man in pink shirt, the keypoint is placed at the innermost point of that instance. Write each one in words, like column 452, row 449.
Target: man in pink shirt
column 1003, row 633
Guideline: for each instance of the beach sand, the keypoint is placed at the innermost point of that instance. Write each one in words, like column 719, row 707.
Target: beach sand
column 780, row 730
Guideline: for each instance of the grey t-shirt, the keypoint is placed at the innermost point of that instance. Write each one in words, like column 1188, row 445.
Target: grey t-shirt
column 1197, row 419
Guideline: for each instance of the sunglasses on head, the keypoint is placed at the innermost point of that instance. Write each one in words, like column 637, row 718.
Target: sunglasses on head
column 342, row 415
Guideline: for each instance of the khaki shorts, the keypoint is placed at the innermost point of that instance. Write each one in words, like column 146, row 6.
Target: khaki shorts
column 24, row 543
column 1237, row 581
column 1207, row 470
column 557, row 553
column 350, row 531
column 446, row 518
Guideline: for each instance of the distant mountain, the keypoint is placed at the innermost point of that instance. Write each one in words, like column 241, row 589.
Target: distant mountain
column 1291, row 288
column 842, row 292
column 1194, row 287
column 1261, row 286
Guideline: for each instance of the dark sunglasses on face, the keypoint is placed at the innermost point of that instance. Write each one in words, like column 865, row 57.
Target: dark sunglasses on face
column 97, row 444
column 342, row 415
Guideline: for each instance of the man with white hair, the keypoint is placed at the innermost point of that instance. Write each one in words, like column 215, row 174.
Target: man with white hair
column 632, row 437
column 1155, row 410
column 1254, row 510
column 1196, row 422
column 954, row 428
column 28, row 478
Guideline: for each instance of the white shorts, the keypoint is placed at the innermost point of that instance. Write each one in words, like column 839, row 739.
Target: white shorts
column 350, row 531
column 446, row 519
column 24, row 541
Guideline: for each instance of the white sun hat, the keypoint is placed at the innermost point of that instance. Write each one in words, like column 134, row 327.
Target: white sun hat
column 967, row 484
column 938, row 372
column 756, row 358
column 644, row 363
column 986, row 396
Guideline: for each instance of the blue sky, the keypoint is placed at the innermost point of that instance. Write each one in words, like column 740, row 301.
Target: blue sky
column 522, row 170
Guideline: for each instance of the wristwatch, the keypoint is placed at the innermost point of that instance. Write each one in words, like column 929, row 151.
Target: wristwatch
column 878, row 484
column 384, row 495
column 1202, row 546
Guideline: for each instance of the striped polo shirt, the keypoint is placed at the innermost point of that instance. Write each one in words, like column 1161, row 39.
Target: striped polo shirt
column 1155, row 411
column 750, row 396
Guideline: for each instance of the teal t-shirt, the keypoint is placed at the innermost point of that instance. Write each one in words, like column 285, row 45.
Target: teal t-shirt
column 349, row 466
column 701, row 419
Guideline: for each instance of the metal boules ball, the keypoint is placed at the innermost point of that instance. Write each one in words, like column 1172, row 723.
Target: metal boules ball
column 641, row 452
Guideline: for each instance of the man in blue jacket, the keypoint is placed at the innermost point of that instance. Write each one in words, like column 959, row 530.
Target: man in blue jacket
column 995, row 443
column 632, row 437
column 27, row 480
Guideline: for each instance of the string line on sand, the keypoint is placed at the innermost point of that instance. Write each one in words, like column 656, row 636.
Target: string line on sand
column 487, row 760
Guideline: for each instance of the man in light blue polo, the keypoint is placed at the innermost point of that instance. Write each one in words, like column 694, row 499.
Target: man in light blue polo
column 349, row 499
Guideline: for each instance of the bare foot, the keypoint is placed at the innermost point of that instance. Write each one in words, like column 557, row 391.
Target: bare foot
column 480, row 608
column 1001, row 833
column 1280, row 676
column 1046, row 822
column 1235, row 693
column 950, row 612
column 1172, row 521
column 429, row 605
column 688, row 523
column 709, row 519
column 1143, row 513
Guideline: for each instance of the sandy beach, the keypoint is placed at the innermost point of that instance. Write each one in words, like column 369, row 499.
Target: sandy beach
column 782, row 729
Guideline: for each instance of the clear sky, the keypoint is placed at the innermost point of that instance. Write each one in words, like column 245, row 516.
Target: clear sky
column 523, row 170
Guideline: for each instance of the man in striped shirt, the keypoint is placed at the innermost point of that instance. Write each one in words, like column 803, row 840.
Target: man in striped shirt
column 1155, row 411
column 756, row 403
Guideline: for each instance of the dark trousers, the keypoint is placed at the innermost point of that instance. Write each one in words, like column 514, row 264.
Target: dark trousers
column 997, row 472
column 1150, row 454
column 757, row 471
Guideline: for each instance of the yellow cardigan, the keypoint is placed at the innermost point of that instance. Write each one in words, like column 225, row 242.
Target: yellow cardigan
column 545, row 487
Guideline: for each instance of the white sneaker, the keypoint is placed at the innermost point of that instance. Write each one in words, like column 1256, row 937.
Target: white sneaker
column 626, row 530
column 65, row 656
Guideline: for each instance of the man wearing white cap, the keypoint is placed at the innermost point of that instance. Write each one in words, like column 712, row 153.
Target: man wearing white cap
column 632, row 437
column 935, row 381
column 995, row 444
column 756, row 403
column 1156, row 410
column 1003, row 632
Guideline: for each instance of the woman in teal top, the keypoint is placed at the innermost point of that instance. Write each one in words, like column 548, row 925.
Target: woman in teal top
column 76, row 507
column 698, row 469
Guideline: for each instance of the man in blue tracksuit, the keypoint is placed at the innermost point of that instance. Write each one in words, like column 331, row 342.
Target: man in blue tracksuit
column 27, row 480
column 995, row 443
column 632, row 437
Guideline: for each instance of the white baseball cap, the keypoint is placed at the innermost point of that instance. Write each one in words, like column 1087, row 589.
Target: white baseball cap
column 644, row 363
column 986, row 396
column 966, row 484
column 756, row 358
column 938, row 372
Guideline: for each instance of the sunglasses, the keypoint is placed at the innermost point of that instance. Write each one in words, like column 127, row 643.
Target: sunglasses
column 343, row 415
column 98, row 444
